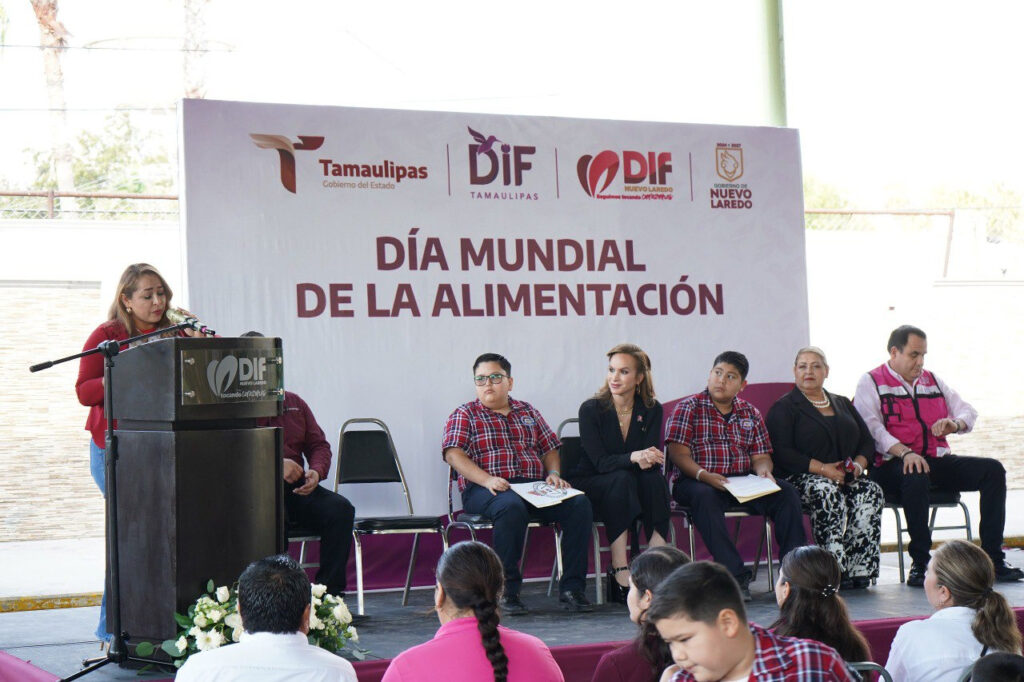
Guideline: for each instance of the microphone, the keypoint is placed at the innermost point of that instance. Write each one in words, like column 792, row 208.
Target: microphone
column 179, row 316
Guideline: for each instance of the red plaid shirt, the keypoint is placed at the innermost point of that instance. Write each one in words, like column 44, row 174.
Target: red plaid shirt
column 509, row 446
column 720, row 446
column 788, row 659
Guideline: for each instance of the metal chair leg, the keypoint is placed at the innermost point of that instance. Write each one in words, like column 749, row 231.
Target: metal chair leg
column 597, row 564
column 693, row 543
column 768, row 559
column 302, row 553
column 359, row 574
column 967, row 521
column 412, row 567
column 899, row 541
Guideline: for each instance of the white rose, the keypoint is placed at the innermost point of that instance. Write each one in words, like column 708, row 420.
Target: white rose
column 315, row 623
column 236, row 634
column 195, row 631
column 215, row 615
column 355, row 633
column 342, row 613
column 181, row 644
column 316, row 601
column 200, row 620
column 233, row 620
column 319, row 590
column 223, row 594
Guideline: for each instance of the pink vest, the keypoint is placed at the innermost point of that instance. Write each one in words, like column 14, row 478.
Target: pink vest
column 910, row 417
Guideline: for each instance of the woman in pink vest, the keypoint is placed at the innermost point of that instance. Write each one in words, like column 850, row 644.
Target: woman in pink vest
column 470, row 645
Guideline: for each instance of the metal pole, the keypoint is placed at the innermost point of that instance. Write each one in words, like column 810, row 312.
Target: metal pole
column 776, row 61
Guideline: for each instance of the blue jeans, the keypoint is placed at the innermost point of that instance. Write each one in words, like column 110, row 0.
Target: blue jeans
column 97, row 456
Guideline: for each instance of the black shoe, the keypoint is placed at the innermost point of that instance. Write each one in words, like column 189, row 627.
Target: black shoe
column 575, row 601
column 916, row 576
column 614, row 593
column 846, row 584
column 1005, row 573
column 359, row 619
column 861, row 582
column 743, row 579
column 511, row 605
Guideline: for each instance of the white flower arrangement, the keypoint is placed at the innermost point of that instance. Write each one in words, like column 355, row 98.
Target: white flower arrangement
column 213, row 621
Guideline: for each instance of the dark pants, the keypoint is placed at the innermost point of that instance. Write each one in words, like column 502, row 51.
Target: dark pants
column 511, row 514
column 620, row 497
column 329, row 515
column 708, row 506
column 951, row 472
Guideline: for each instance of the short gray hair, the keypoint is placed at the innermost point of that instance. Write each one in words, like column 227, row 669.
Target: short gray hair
column 811, row 349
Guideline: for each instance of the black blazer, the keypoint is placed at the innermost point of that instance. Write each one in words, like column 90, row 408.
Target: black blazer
column 604, row 449
column 799, row 433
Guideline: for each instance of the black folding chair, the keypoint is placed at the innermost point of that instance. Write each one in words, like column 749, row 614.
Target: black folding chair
column 369, row 456
column 937, row 499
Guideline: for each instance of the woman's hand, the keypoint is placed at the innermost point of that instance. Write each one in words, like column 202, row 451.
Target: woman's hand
column 834, row 472
column 648, row 458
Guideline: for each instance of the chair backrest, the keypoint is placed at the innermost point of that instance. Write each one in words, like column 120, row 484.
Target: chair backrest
column 870, row 667
column 572, row 447
column 369, row 456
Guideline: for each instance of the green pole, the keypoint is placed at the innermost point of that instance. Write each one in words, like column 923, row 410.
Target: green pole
column 775, row 54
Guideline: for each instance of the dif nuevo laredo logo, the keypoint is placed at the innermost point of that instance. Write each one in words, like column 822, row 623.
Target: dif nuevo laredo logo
column 237, row 377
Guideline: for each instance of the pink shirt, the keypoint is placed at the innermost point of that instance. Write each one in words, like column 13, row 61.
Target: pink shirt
column 456, row 654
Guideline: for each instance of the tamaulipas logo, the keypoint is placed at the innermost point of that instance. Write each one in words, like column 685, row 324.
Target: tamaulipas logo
column 286, row 150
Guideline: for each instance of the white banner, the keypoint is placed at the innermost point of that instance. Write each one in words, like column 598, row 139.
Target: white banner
column 389, row 248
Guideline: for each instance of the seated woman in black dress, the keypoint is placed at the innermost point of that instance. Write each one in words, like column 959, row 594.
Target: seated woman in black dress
column 621, row 471
column 813, row 432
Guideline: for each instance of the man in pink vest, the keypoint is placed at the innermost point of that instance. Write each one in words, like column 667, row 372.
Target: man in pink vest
column 909, row 412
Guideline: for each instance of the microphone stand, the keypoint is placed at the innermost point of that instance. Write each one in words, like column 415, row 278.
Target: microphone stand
column 118, row 650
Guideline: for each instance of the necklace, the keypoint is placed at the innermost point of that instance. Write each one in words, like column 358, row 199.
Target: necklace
column 820, row 404
column 624, row 413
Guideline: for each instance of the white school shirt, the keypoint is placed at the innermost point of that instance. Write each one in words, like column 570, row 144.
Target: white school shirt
column 267, row 657
column 936, row 649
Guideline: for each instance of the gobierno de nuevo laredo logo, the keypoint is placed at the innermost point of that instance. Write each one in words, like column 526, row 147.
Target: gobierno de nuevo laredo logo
column 644, row 175
column 338, row 174
column 234, row 377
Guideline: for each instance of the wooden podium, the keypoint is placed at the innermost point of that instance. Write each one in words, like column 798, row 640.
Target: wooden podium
column 198, row 482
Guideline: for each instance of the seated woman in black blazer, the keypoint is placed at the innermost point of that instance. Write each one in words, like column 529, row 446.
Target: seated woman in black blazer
column 813, row 432
column 621, row 471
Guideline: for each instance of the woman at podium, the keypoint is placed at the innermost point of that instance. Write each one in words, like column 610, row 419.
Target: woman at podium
column 140, row 306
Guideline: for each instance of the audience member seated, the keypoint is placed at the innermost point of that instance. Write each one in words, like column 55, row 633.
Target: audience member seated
column 970, row 619
column 813, row 434
column 497, row 440
column 910, row 412
column 274, row 601
column 715, row 434
column 698, row 610
column 306, row 462
column 999, row 668
column 643, row 659
column 810, row 607
column 470, row 645
column 621, row 471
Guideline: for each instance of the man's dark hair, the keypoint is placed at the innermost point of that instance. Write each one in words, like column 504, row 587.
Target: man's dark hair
column 272, row 594
column 998, row 667
column 494, row 357
column 253, row 333
column 900, row 335
column 698, row 591
column 736, row 359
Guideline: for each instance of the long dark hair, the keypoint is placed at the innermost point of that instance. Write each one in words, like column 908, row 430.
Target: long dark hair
column 646, row 571
column 967, row 572
column 814, row 609
column 473, row 578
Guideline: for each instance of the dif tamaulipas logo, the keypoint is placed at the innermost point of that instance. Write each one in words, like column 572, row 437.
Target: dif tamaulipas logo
column 346, row 173
column 497, row 169
column 729, row 166
column 644, row 175
column 237, row 377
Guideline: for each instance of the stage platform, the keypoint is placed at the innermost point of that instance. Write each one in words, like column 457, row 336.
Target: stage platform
column 56, row 640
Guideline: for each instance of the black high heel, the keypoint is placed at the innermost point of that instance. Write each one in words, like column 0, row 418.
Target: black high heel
column 615, row 593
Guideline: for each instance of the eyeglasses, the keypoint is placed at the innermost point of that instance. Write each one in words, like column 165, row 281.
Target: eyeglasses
column 492, row 378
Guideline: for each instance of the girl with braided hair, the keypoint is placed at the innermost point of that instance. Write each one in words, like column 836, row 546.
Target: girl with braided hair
column 970, row 620
column 470, row 645
column 810, row 607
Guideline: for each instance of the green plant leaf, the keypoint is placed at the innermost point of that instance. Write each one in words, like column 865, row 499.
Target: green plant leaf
column 183, row 622
column 210, row 587
column 144, row 649
column 171, row 649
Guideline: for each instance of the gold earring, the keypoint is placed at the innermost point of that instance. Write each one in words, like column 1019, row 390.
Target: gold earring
column 128, row 310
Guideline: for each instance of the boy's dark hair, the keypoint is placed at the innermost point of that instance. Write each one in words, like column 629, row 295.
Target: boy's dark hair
column 698, row 591
column 647, row 571
column 272, row 595
column 736, row 359
column 494, row 357
column 900, row 335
